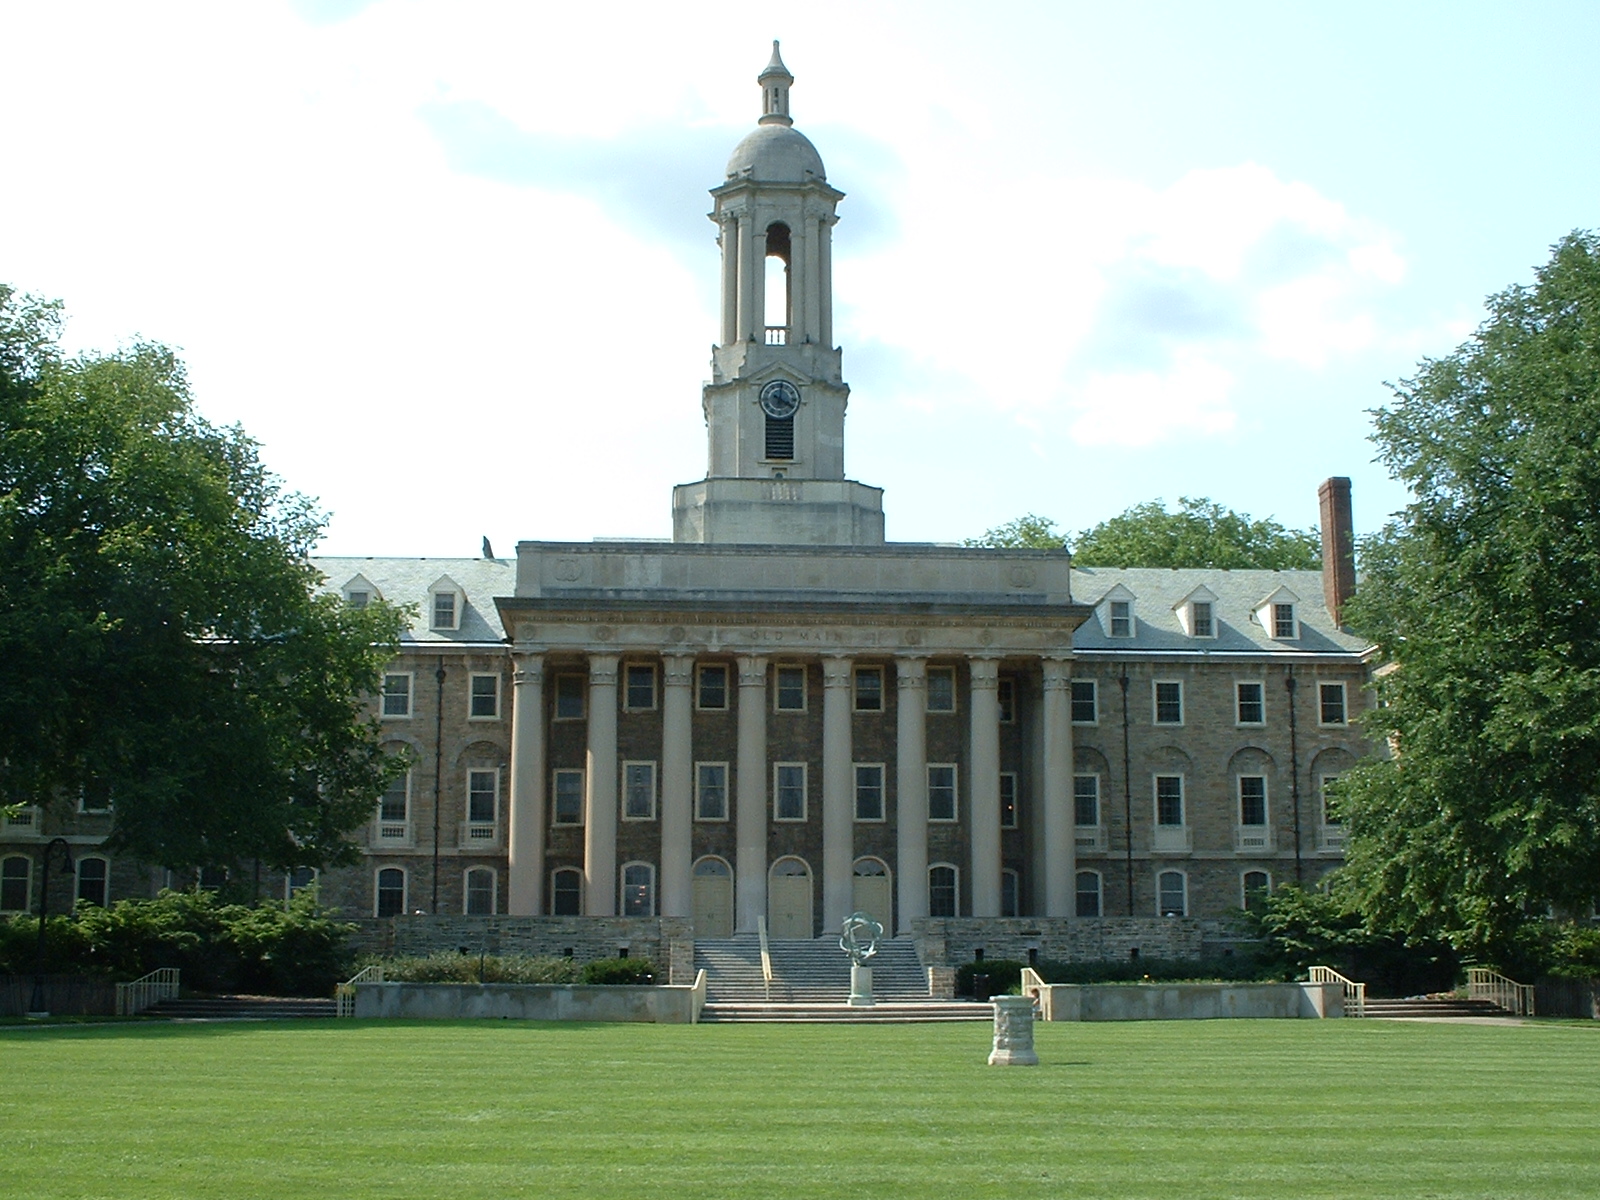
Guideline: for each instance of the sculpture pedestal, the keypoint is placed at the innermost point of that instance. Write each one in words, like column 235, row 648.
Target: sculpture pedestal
column 1013, row 1032
column 860, row 985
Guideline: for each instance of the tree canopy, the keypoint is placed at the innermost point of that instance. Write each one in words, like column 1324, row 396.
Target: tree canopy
column 162, row 645
column 1201, row 533
column 1484, row 598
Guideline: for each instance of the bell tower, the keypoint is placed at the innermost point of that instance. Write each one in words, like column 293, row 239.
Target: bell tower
column 775, row 405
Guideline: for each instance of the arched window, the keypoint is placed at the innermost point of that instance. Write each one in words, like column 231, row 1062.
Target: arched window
column 1010, row 894
column 1254, row 888
column 1088, row 893
column 943, row 885
column 391, row 897
column 778, row 296
column 478, row 892
column 16, row 883
column 94, row 881
column 566, row 892
column 1172, row 899
column 638, row 890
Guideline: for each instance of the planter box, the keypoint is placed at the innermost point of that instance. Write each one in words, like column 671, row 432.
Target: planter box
column 672, row 1004
column 1187, row 1001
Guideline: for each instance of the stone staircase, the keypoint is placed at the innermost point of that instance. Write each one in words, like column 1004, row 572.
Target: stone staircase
column 1427, row 1006
column 811, row 983
column 239, row 1008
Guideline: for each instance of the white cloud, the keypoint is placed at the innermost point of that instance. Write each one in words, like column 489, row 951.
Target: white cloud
column 1143, row 408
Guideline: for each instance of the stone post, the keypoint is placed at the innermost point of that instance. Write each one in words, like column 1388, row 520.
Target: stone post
column 1013, row 1033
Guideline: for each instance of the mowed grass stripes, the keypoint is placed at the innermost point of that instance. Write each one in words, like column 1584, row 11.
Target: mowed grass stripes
column 1276, row 1109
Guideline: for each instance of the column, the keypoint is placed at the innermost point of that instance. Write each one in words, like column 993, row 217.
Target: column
column 838, row 794
column 1060, row 838
column 730, row 279
column 816, row 231
column 984, row 805
column 750, row 801
column 526, row 820
column 600, row 797
column 825, row 280
column 911, row 790
column 748, row 280
column 677, row 784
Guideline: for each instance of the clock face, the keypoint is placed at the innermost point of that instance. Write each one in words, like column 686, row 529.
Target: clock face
column 779, row 399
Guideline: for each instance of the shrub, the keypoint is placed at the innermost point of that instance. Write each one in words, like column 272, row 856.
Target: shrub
column 447, row 967
column 1005, row 975
column 65, row 947
column 620, row 970
column 1231, row 968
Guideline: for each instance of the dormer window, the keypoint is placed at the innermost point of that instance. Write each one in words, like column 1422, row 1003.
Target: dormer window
column 360, row 592
column 1200, row 618
column 446, row 601
column 444, row 610
column 1197, row 613
column 358, row 599
column 1283, row 620
column 1279, row 615
column 1121, row 618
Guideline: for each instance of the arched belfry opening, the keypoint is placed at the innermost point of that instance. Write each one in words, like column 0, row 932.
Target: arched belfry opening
column 779, row 290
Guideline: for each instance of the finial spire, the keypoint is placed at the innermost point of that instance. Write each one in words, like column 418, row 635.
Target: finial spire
column 775, row 80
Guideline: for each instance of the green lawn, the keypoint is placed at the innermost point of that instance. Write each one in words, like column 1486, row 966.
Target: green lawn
column 1280, row 1109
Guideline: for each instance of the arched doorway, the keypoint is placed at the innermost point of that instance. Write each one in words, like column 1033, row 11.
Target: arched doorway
column 789, row 899
column 872, row 892
column 713, row 898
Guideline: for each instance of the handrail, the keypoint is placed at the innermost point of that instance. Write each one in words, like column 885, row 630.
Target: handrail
column 1499, row 990
column 697, row 997
column 160, row 984
column 1033, row 985
column 344, row 996
column 766, row 955
column 1355, row 994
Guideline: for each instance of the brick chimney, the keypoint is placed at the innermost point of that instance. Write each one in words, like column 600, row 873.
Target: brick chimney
column 1338, row 546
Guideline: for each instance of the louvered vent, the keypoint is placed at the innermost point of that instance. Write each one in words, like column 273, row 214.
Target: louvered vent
column 780, row 437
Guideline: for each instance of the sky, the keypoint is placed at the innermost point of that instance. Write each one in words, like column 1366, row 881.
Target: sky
column 449, row 263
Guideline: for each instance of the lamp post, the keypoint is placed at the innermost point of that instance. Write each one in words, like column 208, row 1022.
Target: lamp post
column 36, row 1006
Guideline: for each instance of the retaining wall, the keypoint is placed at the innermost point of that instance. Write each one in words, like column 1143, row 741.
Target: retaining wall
column 660, row 1005
column 1188, row 1001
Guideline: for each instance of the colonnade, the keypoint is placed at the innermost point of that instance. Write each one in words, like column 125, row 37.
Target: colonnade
column 529, row 809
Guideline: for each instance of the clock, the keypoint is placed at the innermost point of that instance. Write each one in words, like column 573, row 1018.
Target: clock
column 779, row 399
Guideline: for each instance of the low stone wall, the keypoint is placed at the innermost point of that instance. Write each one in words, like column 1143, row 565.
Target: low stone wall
column 951, row 941
column 662, row 1005
column 667, row 941
column 1188, row 1001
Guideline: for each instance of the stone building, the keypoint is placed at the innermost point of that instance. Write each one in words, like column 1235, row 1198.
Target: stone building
column 780, row 713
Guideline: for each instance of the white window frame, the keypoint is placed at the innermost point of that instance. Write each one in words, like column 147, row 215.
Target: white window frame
column 473, row 696
column 1099, row 893
column 1091, row 775
column 699, row 787
column 855, row 689
column 1094, row 696
column 583, row 696
column 955, row 794
column 478, row 833
column 1238, row 703
column 1273, row 615
column 955, row 891
column 883, row 792
column 27, row 880
column 466, row 891
column 555, row 877
column 377, row 889
column 805, row 793
column 700, row 672
column 1244, row 889
column 623, row 885
column 943, row 673
column 1014, row 878
column 1183, row 876
column 648, row 767
column 456, row 605
column 1210, row 632
column 1126, row 616
column 555, row 793
column 777, row 687
column 1266, row 805
column 1344, row 704
column 628, row 668
column 1014, row 821
column 385, row 695
column 1155, row 703
column 1168, row 838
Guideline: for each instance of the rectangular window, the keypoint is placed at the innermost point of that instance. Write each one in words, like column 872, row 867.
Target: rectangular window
column 1201, row 613
column 869, row 791
column 1010, row 893
column 1008, row 800
column 569, row 697
column 790, row 694
column 485, row 702
column 16, row 883
column 392, row 804
column 869, row 689
column 1169, row 703
column 1283, row 620
column 397, row 695
column 941, row 792
column 567, row 807
column 711, row 791
column 1008, row 701
column 479, row 892
column 1169, row 800
column 1252, row 703
column 1330, row 809
column 1088, row 893
column 444, row 610
column 1252, row 799
column 788, row 791
column 358, row 599
column 1086, row 801
column 1332, row 698
column 1085, row 704
column 638, row 791
column 1121, row 618
column 94, row 797
column 482, row 789
column 1171, row 894
column 941, row 689
column 711, row 691
column 639, row 694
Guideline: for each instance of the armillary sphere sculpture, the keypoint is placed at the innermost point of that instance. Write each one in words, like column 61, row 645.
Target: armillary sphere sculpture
column 859, row 937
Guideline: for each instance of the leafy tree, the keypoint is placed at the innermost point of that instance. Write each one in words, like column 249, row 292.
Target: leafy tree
column 161, row 645
column 1484, row 597
column 1030, row 532
column 1202, row 533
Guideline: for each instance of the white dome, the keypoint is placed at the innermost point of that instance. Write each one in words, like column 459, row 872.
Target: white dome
column 776, row 154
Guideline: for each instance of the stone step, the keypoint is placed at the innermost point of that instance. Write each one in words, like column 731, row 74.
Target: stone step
column 815, row 1014
column 810, row 971
column 241, row 1008
column 1428, row 1007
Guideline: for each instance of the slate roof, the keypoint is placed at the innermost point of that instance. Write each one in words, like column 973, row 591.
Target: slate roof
column 407, row 580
